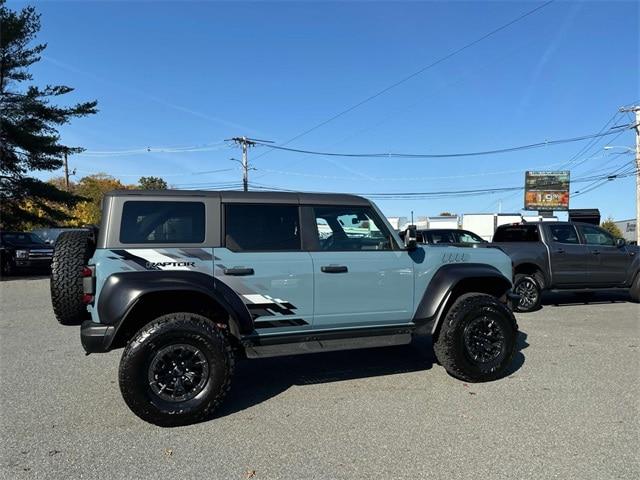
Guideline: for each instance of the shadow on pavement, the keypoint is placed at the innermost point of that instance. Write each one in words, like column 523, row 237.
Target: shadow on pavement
column 24, row 276
column 518, row 357
column 558, row 299
column 257, row 381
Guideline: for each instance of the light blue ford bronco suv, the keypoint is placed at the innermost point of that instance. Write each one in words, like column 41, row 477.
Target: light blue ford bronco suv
column 189, row 281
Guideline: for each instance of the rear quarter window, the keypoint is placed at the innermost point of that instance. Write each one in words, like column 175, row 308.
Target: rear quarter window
column 517, row 233
column 162, row 222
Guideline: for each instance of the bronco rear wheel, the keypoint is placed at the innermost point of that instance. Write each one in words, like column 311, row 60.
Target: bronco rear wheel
column 477, row 339
column 176, row 370
column 72, row 252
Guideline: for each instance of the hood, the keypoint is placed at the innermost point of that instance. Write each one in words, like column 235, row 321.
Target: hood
column 30, row 246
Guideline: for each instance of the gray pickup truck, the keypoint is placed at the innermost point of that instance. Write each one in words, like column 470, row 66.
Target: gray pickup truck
column 566, row 256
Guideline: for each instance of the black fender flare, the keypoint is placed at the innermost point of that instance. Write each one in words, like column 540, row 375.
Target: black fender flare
column 431, row 308
column 121, row 291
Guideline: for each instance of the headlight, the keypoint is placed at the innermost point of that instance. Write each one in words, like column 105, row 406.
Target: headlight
column 22, row 254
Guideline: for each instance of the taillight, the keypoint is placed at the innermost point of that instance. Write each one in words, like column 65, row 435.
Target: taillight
column 88, row 284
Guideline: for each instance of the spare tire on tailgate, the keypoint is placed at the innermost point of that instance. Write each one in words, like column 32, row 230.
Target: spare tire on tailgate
column 72, row 252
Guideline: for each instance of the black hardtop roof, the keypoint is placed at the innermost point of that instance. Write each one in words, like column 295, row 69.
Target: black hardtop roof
column 250, row 197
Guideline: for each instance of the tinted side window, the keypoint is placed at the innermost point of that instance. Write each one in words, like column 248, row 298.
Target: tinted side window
column 597, row 236
column 467, row 237
column 442, row 236
column 262, row 227
column 162, row 222
column 517, row 233
column 564, row 233
column 347, row 228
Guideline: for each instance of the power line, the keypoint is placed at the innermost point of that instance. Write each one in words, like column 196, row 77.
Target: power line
column 148, row 174
column 618, row 173
column 450, row 155
column 415, row 74
column 588, row 146
column 207, row 147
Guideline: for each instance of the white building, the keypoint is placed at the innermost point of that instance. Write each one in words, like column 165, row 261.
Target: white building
column 628, row 229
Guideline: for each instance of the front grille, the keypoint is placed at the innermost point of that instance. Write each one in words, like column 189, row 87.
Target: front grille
column 40, row 253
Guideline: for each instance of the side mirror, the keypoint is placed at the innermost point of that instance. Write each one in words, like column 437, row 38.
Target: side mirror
column 411, row 237
column 620, row 242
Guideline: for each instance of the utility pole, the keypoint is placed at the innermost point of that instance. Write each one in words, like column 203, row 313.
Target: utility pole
column 245, row 143
column 636, row 110
column 66, row 171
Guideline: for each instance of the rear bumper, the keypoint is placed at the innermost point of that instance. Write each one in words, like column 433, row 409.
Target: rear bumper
column 95, row 337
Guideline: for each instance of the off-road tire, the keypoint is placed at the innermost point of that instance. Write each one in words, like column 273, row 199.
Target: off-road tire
column 533, row 280
column 72, row 252
column 450, row 346
column 634, row 291
column 172, row 329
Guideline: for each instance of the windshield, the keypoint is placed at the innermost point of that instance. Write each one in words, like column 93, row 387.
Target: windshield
column 22, row 239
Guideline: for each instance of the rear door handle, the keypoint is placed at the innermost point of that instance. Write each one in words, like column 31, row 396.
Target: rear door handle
column 560, row 250
column 596, row 252
column 334, row 269
column 239, row 271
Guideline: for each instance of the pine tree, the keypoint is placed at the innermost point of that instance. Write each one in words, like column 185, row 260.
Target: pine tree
column 29, row 139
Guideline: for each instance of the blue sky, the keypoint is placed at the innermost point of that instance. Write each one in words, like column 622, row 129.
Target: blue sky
column 191, row 74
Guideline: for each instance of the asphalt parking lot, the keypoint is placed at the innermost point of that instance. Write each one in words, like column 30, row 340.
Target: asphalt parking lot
column 569, row 409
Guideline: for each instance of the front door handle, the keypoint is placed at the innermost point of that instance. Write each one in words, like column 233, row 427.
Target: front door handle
column 560, row 250
column 239, row 271
column 334, row 269
column 596, row 252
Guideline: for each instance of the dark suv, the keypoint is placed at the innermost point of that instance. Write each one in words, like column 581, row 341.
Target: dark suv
column 23, row 250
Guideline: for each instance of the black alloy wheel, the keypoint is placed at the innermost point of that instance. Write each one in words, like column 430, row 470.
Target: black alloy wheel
column 484, row 339
column 178, row 372
column 527, row 287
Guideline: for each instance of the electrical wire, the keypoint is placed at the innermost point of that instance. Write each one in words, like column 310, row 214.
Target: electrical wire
column 450, row 155
column 618, row 173
column 415, row 74
column 588, row 146
column 207, row 147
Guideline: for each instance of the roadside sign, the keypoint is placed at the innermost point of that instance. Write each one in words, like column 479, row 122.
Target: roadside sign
column 545, row 190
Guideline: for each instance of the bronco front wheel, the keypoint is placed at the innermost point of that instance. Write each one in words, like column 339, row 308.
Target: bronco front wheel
column 477, row 339
column 176, row 370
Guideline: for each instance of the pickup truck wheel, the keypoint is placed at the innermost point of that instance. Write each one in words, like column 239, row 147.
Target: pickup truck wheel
column 634, row 291
column 477, row 339
column 72, row 252
column 176, row 370
column 530, row 291
column 8, row 267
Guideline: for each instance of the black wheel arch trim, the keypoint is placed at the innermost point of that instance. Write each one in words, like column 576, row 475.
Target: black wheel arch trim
column 121, row 292
column 431, row 308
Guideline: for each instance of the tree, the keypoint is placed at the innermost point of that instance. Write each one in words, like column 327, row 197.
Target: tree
column 152, row 183
column 29, row 139
column 611, row 227
column 447, row 214
column 92, row 189
column 39, row 212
